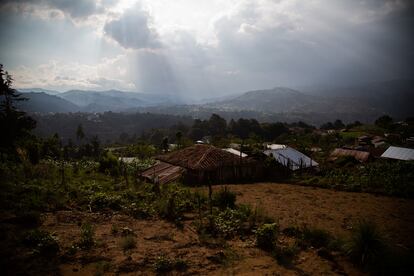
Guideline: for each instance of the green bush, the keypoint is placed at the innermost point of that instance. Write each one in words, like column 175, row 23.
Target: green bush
column 164, row 265
column 42, row 242
column 229, row 222
column 286, row 255
column 266, row 236
column 109, row 164
column 366, row 244
column 87, row 239
column 314, row 237
column 174, row 202
column 101, row 200
column 224, row 199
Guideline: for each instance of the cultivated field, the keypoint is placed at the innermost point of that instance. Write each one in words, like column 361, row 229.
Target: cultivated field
column 334, row 211
column 156, row 245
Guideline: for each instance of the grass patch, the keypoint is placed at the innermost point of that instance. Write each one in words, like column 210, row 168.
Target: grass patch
column 224, row 199
column 367, row 244
column 87, row 236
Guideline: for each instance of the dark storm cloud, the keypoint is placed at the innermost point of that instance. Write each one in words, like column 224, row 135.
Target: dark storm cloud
column 317, row 46
column 251, row 45
column 75, row 9
column 132, row 30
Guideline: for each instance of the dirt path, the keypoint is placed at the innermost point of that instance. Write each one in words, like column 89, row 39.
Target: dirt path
column 334, row 211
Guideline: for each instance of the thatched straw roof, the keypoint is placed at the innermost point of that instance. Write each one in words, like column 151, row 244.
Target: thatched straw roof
column 202, row 157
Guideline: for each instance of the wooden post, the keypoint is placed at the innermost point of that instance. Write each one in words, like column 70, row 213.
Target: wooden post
column 210, row 196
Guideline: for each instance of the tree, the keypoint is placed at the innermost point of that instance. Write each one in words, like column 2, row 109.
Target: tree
column 79, row 133
column 164, row 144
column 15, row 124
column 327, row 126
column 178, row 137
column 96, row 146
column 217, row 126
column 338, row 124
column 384, row 122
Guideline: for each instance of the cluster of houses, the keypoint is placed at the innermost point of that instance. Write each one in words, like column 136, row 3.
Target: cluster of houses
column 203, row 163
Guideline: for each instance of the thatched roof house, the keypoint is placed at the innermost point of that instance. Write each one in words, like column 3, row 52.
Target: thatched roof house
column 201, row 157
column 361, row 156
column 163, row 173
column 204, row 163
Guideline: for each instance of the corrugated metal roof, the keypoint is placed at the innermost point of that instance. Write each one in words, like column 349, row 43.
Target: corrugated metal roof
column 399, row 153
column 291, row 158
column 361, row 156
column 163, row 173
column 235, row 152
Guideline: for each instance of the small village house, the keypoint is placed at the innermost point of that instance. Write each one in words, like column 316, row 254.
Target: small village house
column 203, row 164
column 398, row 153
column 290, row 157
column 361, row 156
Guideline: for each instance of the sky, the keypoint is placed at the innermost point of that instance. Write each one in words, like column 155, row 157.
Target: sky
column 204, row 48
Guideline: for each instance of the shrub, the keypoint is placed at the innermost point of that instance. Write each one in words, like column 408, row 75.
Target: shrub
column 266, row 236
column 258, row 216
column 225, row 199
column 114, row 229
column 87, row 236
column 127, row 242
column 174, row 201
column 164, row 264
column 286, row 255
column 366, row 243
column 109, row 164
column 42, row 242
column 101, row 200
column 292, row 231
column 314, row 237
column 229, row 222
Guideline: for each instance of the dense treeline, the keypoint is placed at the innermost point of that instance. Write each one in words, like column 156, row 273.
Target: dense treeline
column 109, row 126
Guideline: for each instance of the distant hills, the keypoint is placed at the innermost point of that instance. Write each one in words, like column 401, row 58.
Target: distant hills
column 395, row 97
column 314, row 105
column 39, row 90
column 91, row 101
column 45, row 103
column 285, row 100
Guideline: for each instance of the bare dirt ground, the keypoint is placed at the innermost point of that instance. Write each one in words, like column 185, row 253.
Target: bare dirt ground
column 334, row 211
column 291, row 205
column 155, row 238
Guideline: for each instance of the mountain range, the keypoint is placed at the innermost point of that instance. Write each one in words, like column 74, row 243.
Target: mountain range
column 363, row 102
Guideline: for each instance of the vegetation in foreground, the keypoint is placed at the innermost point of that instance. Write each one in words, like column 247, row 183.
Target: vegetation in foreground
column 46, row 175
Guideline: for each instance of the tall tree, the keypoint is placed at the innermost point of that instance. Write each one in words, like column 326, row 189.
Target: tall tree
column 79, row 133
column 179, row 137
column 15, row 125
column 217, row 125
